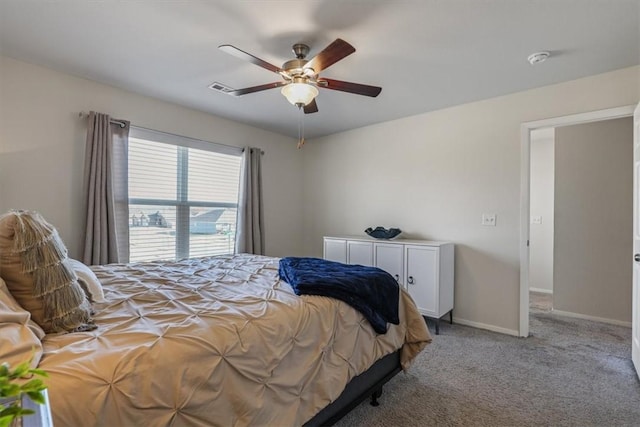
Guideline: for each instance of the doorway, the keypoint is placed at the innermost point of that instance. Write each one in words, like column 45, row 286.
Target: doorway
column 542, row 219
column 527, row 130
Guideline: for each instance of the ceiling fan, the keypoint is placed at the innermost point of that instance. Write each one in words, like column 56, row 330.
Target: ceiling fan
column 301, row 78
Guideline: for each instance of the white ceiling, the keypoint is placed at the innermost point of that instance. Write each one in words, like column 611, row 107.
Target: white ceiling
column 426, row 54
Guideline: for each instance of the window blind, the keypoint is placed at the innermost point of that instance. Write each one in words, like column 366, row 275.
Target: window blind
column 182, row 199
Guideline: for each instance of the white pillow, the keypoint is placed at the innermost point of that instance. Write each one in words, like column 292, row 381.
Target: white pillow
column 88, row 281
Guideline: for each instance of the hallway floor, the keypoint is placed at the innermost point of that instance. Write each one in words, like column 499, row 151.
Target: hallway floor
column 540, row 302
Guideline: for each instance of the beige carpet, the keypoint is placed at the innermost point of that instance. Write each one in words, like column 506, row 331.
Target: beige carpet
column 570, row 372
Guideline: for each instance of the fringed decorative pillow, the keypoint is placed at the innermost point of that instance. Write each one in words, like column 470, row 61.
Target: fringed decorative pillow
column 35, row 267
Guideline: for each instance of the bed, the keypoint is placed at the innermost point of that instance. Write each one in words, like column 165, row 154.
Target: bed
column 220, row 341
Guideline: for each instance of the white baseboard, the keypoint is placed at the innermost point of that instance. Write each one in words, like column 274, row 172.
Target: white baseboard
column 492, row 328
column 515, row 333
column 593, row 318
column 541, row 290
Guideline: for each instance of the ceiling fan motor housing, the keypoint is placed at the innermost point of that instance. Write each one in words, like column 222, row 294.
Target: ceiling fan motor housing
column 295, row 68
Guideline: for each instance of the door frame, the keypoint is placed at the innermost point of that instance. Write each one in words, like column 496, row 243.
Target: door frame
column 525, row 182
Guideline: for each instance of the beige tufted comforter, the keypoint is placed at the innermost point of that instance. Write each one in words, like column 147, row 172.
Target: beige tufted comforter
column 217, row 341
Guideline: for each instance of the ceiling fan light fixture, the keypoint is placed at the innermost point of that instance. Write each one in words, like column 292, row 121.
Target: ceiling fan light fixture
column 299, row 93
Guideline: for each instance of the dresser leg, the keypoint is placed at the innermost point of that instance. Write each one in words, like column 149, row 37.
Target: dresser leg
column 451, row 317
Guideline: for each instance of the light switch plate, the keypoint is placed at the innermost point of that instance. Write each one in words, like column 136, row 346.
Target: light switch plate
column 489, row 219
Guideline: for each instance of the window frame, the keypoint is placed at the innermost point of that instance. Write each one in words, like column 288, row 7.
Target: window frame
column 181, row 202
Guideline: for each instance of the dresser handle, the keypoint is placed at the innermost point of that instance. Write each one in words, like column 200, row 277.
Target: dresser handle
column 410, row 281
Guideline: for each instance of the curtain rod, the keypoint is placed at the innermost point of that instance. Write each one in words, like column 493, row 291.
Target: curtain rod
column 261, row 151
column 82, row 114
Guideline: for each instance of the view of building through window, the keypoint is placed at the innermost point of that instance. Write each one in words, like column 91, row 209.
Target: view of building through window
column 182, row 201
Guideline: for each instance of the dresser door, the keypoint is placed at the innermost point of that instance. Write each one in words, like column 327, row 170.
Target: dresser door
column 360, row 253
column 422, row 277
column 390, row 257
column 335, row 250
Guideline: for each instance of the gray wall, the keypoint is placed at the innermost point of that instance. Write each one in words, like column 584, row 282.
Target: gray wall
column 593, row 219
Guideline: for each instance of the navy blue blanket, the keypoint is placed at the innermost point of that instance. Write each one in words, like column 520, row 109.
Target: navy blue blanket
column 370, row 290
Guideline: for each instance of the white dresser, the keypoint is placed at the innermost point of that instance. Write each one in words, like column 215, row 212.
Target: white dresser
column 424, row 268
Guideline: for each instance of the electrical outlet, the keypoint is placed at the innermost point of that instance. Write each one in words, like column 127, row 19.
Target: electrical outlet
column 536, row 220
column 489, row 220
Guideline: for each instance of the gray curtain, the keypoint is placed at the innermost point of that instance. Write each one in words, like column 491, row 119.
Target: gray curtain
column 250, row 218
column 106, row 191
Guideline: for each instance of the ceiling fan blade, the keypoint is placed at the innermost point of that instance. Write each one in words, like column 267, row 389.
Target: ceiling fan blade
column 238, row 53
column 330, row 55
column 311, row 107
column 357, row 88
column 259, row 88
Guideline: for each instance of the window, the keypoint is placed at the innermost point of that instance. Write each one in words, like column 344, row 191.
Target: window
column 183, row 196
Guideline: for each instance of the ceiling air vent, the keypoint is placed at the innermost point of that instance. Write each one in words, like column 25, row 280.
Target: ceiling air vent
column 220, row 87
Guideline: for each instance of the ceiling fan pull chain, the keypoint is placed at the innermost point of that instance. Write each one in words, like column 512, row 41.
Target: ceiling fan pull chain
column 300, row 126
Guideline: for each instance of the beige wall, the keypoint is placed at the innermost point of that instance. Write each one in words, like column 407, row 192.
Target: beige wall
column 42, row 149
column 434, row 174
column 541, row 206
column 594, row 219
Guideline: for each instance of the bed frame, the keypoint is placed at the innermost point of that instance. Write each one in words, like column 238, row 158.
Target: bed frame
column 367, row 384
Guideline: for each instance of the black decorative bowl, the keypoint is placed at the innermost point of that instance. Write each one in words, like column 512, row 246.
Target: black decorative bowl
column 383, row 233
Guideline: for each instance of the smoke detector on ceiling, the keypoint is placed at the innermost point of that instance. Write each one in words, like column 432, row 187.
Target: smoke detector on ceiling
column 538, row 57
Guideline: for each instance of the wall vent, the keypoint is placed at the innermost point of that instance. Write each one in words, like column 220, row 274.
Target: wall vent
column 220, row 87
